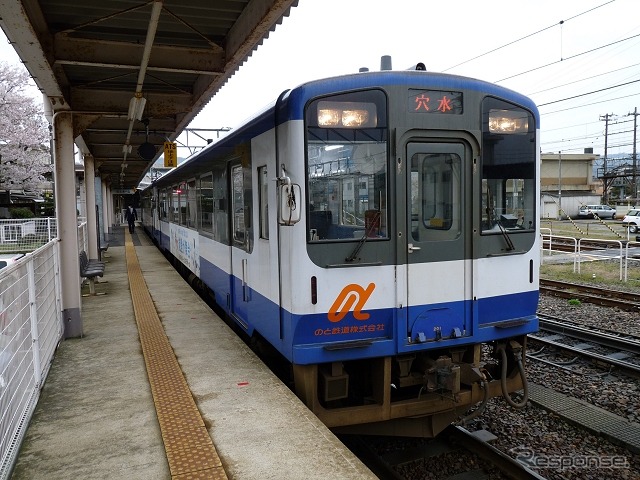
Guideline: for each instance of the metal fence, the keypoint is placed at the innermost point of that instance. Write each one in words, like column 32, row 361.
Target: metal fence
column 625, row 253
column 30, row 329
column 26, row 235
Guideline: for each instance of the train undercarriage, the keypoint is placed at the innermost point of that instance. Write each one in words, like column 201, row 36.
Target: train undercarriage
column 412, row 395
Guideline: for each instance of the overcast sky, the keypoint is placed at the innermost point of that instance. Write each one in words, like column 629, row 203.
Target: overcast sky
column 331, row 37
column 521, row 45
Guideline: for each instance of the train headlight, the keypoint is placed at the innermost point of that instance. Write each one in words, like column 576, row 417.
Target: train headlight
column 347, row 114
column 328, row 117
column 508, row 121
column 355, row 118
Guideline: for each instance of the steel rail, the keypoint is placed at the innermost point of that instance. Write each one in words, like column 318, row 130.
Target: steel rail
column 630, row 296
column 598, row 337
column 611, row 298
column 506, row 464
column 630, row 347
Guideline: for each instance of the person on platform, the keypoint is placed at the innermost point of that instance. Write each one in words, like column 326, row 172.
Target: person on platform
column 131, row 216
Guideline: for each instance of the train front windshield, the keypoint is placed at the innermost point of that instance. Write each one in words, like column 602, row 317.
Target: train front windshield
column 347, row 167
column 508, row 168
column 349, row 175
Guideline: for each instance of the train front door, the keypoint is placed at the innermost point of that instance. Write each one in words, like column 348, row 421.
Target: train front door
column 437, row 237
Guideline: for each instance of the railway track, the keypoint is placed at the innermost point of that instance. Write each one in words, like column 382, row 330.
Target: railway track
column 453, row 441
column 610, row 298
column 602, row 347
column 560, row 246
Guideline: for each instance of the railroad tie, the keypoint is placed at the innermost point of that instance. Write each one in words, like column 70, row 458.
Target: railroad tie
column 188, row 446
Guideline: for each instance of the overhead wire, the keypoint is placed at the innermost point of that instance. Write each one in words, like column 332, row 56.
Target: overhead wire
column 567, row 58
column 584, row 79
column 573, row 97
column 588, row 93
column 528, row 36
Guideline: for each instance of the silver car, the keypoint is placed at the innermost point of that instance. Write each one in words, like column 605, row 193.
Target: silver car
column 601, row 211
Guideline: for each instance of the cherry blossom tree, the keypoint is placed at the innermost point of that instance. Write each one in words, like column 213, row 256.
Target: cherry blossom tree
column 24, row 134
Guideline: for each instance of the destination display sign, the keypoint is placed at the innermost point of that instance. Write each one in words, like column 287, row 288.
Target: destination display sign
column 434, row 101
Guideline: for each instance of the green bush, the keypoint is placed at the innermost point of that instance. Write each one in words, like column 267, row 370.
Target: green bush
column 21, row 213
column 575, row 301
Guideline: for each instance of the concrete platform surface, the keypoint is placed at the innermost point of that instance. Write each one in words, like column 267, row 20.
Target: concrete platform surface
column 96, row 418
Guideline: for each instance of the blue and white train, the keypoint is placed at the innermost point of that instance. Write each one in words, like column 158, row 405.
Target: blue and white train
column 377, row 229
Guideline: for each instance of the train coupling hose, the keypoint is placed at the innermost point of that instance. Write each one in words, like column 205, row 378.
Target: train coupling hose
column 484, row 383
column 518, row 355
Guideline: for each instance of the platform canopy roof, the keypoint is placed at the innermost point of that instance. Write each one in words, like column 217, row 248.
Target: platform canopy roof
column 134, row 72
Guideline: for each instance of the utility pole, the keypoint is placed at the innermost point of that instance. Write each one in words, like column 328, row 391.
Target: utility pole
column 605, row 194
column 634, row 178
column 560, row 185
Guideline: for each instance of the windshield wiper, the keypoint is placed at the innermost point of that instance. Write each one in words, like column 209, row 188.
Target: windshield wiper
column 490, row 214
column 506, row 236
column 364, row 238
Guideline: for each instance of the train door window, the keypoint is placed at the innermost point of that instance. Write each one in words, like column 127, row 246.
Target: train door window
column 435, row 193
column 192, row 209
column 220, row 205
column 347, row 167
column 205, row 202
column 163, row 204
column 175, row 204
column 241, row 206
column 182, row 203
column 508, row 168
column 263, row 204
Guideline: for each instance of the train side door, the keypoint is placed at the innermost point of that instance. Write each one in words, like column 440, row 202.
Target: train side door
column 437, row 240
column 240, row 212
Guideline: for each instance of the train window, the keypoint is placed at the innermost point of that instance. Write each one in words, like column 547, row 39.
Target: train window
column 435, row 195
column 508, row 168
column 205, row 202
column 347, row 167
column 263, row 203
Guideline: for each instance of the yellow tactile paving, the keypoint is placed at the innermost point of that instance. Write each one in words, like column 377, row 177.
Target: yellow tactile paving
column 190, row 452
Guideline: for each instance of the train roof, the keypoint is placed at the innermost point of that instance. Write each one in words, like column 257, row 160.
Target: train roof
column 413, row 78
column 290, row 104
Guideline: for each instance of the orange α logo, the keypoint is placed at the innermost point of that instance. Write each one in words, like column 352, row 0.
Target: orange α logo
column 351, row 296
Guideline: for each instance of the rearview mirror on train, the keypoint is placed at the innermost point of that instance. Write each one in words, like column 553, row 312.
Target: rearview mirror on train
column 289, row 200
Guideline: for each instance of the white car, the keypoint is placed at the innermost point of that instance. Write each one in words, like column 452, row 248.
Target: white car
column 632, row 220
column 7, row 259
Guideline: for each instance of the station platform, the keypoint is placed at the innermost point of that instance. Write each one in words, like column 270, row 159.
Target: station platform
column 160, row 387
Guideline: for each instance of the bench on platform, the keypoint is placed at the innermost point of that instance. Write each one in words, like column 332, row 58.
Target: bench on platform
column 90, row 269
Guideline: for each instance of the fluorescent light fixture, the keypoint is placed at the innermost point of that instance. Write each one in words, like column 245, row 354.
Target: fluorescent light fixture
column 136, row 107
